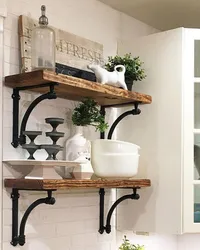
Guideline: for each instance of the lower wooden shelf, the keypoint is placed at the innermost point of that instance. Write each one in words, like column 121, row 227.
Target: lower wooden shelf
column 18, row 232
column 36, row 184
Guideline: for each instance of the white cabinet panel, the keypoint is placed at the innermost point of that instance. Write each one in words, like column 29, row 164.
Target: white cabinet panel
column 165, row 131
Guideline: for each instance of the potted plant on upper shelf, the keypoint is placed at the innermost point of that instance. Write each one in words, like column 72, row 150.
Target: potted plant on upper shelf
column 133, row 65
column 126, row 245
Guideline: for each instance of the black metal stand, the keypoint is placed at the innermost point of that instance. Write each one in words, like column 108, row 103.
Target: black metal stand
column 19, row 139
column 20, row 239
column 107, row 228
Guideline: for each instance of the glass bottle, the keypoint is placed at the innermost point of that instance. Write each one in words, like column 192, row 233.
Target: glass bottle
column 43, row 45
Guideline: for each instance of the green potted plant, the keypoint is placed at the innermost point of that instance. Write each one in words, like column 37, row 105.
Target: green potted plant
column 133, row 65
column 126, row 245
column 88, row 113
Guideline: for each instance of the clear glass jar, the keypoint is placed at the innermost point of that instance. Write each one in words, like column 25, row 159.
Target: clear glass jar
column 43, row 45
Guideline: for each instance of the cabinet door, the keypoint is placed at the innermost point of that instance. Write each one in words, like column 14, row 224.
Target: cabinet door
column 191, row 121
column 158, row 130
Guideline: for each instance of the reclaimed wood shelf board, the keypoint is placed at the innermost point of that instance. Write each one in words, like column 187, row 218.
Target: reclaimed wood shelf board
column 36, row 184
column 76, row 89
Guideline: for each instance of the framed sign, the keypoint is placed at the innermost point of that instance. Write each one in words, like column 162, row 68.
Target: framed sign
column 71, row 50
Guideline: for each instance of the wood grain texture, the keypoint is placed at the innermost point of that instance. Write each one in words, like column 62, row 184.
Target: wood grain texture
column 66, row 184
column 73, row 88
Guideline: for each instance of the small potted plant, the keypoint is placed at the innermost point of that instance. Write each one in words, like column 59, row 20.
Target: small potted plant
column 133, row 65
column 126, row 245
column 88, row 113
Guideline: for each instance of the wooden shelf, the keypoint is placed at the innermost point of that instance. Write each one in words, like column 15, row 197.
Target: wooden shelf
column 73, row 88
column 37, row 184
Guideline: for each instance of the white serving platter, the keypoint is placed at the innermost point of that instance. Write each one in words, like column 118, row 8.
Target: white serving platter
column 34, row 169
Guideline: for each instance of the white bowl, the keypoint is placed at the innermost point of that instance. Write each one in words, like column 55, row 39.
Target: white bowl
column 114, row 146
column 114, row 159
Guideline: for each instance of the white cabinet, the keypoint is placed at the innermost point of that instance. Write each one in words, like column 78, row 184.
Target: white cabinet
column 167, row 131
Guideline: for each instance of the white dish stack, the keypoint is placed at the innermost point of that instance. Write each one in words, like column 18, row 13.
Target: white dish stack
column 112, row 159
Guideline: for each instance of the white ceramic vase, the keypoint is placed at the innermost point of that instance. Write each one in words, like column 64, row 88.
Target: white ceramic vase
column 78, row 148
column 76, row 145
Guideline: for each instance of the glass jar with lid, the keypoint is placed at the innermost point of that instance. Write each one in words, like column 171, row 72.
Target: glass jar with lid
column 43, row 45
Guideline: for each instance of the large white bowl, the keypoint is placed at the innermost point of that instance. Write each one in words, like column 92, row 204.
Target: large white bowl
column 114, row 159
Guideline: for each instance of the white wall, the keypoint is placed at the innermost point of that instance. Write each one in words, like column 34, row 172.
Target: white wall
column 72, row 223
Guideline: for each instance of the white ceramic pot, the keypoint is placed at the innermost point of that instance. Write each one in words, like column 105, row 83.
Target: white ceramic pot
column 77, row 148
column 114, row 159
column 76, row 145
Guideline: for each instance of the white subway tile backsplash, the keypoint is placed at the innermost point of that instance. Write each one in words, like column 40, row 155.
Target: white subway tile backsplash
column 7, row 119
column 11, row 69
column 40, row 231
column 77, row 200
column 54, row 215
column 8, row 246
column 11, row 39
column 7, row 233
column 70, row 228
column 8, row 137
column 11, row 55
column 47, row 244
column 7, row 199
column 91, row 225
column 7, row 92
column 8, row 105
column 7, row 217
column 85, row 213
column 85, row 240
column 11, row 22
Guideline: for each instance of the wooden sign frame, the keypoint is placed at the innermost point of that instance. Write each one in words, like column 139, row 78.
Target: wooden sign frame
column 71, row 50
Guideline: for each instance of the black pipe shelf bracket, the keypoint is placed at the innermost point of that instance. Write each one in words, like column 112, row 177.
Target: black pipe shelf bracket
column 20, row 238
column 18, row 136
column 134, row 196
column 107, row 227
column 135, row 111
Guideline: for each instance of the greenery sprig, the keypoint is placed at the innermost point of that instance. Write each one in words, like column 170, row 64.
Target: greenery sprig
column 133, row 65
column 126, row 245
column 88, row 113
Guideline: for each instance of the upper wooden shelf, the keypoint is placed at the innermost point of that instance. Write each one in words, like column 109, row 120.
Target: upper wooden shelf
column 36, row 184
column 76, row 89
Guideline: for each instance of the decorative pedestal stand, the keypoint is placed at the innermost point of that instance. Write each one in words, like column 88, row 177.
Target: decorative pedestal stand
column 31, row 147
